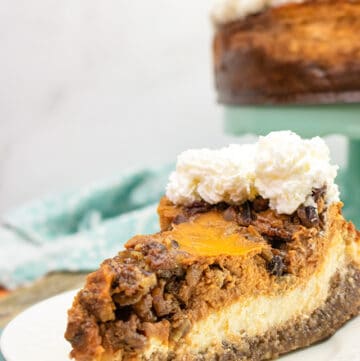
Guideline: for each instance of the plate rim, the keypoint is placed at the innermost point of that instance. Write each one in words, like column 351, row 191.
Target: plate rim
column 15, row 320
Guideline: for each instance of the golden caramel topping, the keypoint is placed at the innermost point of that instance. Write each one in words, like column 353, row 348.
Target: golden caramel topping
column 209, row 234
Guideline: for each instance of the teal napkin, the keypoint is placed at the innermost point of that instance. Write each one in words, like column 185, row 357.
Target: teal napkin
column 76, row 230
column 1, row 356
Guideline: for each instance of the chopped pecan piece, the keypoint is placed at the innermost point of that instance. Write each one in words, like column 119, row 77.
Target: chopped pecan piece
column 276, row 266
column 244, row 217
column 308, row 216
column 260, row 204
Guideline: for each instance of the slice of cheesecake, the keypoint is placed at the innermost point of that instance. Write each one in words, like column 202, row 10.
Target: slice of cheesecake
column 253, row 260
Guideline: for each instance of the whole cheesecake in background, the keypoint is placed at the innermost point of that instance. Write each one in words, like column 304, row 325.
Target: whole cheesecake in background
column 254, row 259
column 287, row 52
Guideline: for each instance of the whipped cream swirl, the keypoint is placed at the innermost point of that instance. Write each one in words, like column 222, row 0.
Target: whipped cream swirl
column 280, row 167
column 225, row 11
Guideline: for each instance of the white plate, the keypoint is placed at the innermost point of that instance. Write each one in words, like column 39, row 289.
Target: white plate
column 38, row 335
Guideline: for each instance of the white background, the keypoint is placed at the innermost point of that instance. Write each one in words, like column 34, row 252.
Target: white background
column 88, row 88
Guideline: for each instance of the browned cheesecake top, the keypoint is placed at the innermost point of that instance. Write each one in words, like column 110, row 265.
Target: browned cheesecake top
column 296, row 53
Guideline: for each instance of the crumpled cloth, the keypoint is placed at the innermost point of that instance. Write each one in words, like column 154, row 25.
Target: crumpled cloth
column 1, row 356
column 76, row 230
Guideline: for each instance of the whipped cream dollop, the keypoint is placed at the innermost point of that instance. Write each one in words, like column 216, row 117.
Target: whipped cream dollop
column 281, row 167
column 230, row 10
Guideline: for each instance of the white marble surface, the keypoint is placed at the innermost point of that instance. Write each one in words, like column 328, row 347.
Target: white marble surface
column 89, row 88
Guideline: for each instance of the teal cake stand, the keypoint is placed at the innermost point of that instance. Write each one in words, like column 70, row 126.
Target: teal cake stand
column 309, row 121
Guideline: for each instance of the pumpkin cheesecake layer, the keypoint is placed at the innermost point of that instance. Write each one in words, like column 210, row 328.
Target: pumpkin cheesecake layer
column 299, row 53
column 167, row 298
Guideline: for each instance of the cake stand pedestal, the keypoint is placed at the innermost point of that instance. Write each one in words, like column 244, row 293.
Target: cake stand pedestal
column 309, row 121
